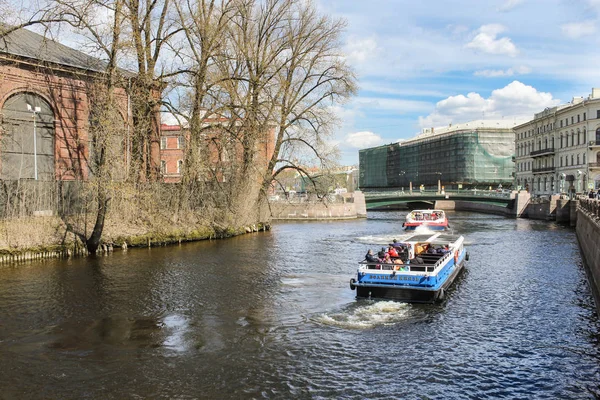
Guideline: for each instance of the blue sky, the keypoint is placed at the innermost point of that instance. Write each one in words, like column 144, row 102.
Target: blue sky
column 431, row 63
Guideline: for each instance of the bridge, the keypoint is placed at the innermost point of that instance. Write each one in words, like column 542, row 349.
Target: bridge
column 427, row 199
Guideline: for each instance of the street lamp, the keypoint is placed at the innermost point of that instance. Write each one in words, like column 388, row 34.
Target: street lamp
column 34, row 111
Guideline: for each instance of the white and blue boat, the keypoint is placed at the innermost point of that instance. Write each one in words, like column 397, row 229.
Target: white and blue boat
column 424, row 269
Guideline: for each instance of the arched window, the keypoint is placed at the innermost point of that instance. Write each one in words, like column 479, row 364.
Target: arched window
column 598, row 136
column 572, row 159
column 578, row 159
column 27, row 144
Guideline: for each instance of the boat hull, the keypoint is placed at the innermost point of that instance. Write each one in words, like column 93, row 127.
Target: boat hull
column 432, row 227
column 407, row 293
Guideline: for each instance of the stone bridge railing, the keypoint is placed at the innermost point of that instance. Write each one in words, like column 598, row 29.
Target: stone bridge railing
column 590, row 207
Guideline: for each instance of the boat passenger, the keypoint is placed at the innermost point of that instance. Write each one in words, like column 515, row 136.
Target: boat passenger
column 387, row 260
column 421, row 248
column 370, row 257
column 392, row 252
column 382, row 253
column 431, row 250
column 444, row 250
column 398, row 266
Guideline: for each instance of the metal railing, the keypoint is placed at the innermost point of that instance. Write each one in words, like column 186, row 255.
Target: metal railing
column 428, row 193
column 549, row 150
column 543, row 169
column 381, row 266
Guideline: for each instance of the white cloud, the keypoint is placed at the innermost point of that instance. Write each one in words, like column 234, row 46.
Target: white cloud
column 399, row 106
column 494, row 73
column 509, row 5
column 514, row 101
column 486, row 41
column 386, row 89
column 576, row 30
column 363, row 140
column 359, row 51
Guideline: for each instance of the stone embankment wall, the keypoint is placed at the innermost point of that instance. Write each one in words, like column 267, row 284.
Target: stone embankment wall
column 460, row 205
column 345, row 206
column 71, row 246
column 520, row 206
column 588, row 235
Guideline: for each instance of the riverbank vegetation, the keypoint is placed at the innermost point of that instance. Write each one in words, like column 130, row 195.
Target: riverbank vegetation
column 252, row 83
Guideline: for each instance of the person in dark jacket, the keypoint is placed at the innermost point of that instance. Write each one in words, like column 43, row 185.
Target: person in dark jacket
column 370, row 257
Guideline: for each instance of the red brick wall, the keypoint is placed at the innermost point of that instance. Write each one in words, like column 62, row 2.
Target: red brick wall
column 67, row 93
column 171, row 155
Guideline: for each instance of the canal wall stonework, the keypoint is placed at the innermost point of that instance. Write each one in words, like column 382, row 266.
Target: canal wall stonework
column 588, row 236
column 345, row 206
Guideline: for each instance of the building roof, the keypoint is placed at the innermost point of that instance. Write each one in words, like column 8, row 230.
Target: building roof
column 27, row 44
column 471, row 125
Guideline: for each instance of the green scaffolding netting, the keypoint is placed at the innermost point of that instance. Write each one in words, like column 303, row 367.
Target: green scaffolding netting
column 472, row 158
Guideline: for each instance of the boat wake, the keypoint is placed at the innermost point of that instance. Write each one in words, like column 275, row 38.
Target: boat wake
column 383, row 240
column 366, row 315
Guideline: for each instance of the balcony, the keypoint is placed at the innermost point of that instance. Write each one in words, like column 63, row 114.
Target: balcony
column 543, row 170
column 544, row 152
column 594, row 165
column 593, row 143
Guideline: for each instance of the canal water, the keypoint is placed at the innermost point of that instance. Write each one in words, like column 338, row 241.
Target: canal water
column 271, row 315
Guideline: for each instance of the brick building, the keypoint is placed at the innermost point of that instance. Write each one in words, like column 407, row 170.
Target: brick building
column 174, row 140
column 44, row 100
column 172, row 152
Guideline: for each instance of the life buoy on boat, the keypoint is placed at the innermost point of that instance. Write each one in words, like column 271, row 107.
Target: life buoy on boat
column 352, row 282
column 456, row 256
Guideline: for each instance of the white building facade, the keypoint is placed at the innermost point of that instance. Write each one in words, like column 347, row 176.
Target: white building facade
column 559, row 150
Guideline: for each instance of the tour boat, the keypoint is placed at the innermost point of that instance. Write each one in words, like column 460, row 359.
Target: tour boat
column 434, row 220
column 429, row 265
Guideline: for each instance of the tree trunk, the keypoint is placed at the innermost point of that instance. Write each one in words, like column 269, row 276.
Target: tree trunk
column 93, row 242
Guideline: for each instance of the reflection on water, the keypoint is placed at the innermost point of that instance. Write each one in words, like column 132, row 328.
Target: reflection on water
column 271, row 315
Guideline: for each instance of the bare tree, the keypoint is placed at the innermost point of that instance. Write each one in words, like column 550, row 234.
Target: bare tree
column 282, row 72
